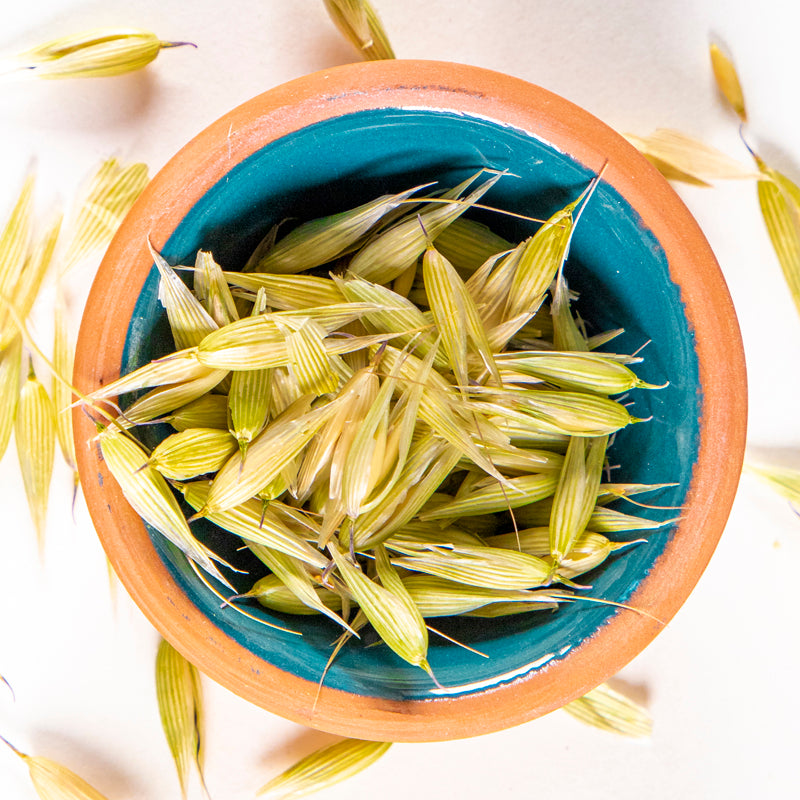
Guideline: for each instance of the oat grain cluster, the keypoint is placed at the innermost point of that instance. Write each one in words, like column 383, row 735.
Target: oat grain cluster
column 398, row 412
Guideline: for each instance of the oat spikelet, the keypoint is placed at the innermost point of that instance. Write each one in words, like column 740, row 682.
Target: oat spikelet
column 322, row 240
column 295, row 577
column 783, row 480
column 607, row 709
column 111, row 192
column 360, row 25
column 10, row 363
column 151, row 498
column 63, row 357
column 576, row 493
column 14, row 244
column 487, row 567
column 727, row 80
column 392, row 614
column 456, row 316
column 180, row 705
column 189, row 322
column 191, row 453
column 779, row 199
column 438, row 597
column 35, row 435
column 98, row 53
column 212, row 289
column 394, row 250
column 323, row 768
column 53, row 781
column 681, row 157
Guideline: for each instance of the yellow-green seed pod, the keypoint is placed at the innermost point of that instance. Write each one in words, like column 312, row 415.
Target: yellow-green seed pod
column 151, row 498
column 572, row 413
column 267, row 456
column 611, row 711
column 728, row 80
column 363, row 462
column 488, row 567
column 63, row 357
column 249, row 396
column 257, row 523
column 272, row 593
column 779, row 199
column 395, row 619
column 468, row 244
column 567, row 334
column 438, row 597
column 540, row 258
column 575, row 496
column 309, row 362
column 330, row 447
column 289, row 292
column 98, row 53
column 178, row 367
column 488, row 497
column 600, row 373
column 37, row 264
column 165, row 399
column 425, row 535
column 258, row 343
column 457, row 319
column 10, row 364
column 35, row 435
column 180, row 705
column 588, row 551
column 394, row 250
column 428, row 464
column 53, row 781
column 679, row 157
column 111, row 192
column 14, row 244
column 608, row 520
column 323, row 768
column 212, row 289
column 189, row 322
column 208, row 411
column 188, row 454
column 361, row 26
column 322, row 240
column 295, row 576
column 511, row 608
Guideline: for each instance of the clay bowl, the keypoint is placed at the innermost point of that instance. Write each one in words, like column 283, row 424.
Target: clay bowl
column 327, row 142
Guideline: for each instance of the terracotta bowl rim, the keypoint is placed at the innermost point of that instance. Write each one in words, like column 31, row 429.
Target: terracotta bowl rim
column 708, row 307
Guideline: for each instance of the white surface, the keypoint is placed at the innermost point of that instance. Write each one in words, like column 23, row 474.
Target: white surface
column 720, row 681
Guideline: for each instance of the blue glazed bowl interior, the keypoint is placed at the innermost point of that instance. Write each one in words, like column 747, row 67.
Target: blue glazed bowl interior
column 616, row 265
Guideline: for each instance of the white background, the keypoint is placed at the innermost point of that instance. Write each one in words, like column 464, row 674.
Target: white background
column 720, row 681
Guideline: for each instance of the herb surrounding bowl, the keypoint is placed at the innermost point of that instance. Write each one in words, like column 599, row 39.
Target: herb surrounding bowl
column 332, row 140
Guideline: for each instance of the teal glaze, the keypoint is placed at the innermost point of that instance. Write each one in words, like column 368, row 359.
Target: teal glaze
column 616, row 264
